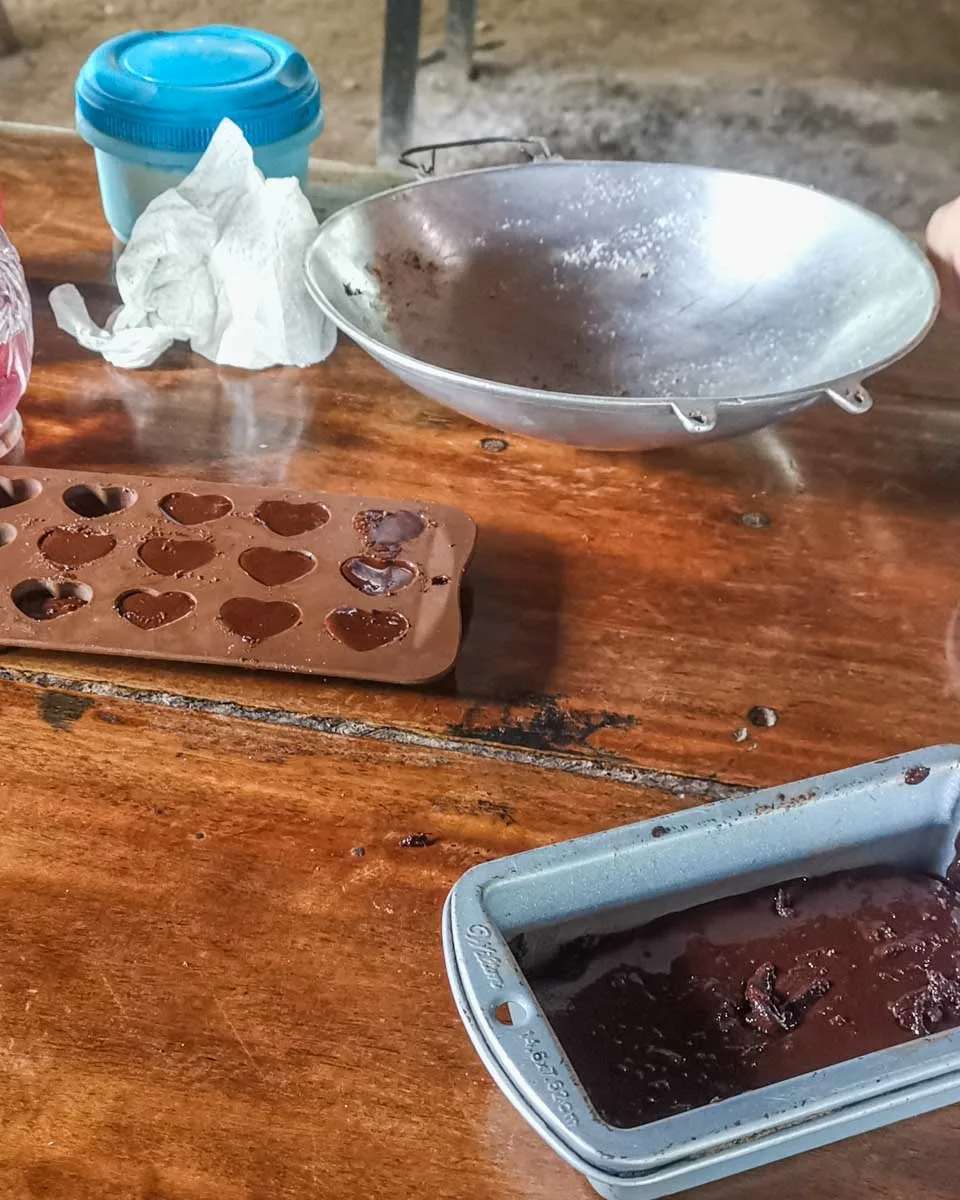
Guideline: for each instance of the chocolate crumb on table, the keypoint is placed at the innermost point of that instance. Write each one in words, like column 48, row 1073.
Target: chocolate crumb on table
column 417, row 841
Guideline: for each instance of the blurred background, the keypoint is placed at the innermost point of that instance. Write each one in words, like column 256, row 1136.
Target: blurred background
column 861, row 97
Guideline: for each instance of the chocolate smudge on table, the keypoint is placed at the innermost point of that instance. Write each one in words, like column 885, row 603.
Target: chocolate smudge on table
column 538, row 723
column 61, row 710
column 417, row 841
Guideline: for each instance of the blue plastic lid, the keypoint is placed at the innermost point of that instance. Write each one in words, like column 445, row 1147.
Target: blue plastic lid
column 170, row 91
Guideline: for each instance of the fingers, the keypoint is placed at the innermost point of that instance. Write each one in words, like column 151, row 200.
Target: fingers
column 943, row 248
column 947, row 274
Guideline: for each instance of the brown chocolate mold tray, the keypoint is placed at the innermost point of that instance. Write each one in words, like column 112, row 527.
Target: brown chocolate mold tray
column 257, row 577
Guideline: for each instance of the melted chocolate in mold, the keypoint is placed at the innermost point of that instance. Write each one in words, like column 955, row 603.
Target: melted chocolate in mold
column 186, row 508
column 8, row 534
column 273, row 568
column 72, row 548
column 152, row 610
column 18, row 491
column 289, row 519
column 363, row 629
column 94, row 501
column 774, row 1004
column 384, row 532
column 377, row 576
column 752, row 990
column 256, row 620
column 175, row 556
column 45, row 600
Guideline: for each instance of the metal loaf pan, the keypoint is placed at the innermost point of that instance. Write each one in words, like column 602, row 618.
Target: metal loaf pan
column 904, row 811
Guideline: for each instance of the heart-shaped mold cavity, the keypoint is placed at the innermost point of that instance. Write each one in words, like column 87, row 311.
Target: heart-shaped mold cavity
column 382, row 530
column 149, row 610
column 175, row 556
column 256, row 620
column 186, row 508
column 71, row 548
column 377, row 576
column 8, row 534
column 289, row 519
column 366, row 629
column 18, row 491
column 98, row 500
column 47, row 599
column 275, row 567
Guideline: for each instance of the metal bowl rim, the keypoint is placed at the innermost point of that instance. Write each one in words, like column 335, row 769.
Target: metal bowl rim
column 573, row 400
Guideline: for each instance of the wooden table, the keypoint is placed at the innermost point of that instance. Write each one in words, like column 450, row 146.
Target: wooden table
column 204, row 994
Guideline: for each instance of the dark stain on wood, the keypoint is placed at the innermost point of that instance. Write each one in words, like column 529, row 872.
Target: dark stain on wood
column 539, row 723
column 62, row 709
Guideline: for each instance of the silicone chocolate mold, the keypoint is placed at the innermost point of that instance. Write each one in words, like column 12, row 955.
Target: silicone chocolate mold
column 357, row 586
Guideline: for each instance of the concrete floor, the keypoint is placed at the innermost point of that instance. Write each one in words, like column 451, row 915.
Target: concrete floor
column 861, row 97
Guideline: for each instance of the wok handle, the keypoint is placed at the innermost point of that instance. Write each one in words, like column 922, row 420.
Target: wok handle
column 695, row 416
column 536, row 147
column 855, row 400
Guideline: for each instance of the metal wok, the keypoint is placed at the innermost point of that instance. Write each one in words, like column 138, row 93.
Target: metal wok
column 623, row 305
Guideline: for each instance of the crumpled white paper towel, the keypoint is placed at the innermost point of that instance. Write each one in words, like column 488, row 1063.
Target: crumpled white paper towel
column 217, row 262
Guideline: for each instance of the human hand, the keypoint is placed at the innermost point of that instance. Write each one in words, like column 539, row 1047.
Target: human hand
column 943, row 247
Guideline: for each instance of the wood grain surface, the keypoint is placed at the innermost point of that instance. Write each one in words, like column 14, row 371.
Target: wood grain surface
column 621, row 610
column 204, row 994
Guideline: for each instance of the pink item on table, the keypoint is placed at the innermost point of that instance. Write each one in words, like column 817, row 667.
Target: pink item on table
column 16, row 342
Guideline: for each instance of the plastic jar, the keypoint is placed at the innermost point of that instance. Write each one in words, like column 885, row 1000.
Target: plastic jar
column 149, row 104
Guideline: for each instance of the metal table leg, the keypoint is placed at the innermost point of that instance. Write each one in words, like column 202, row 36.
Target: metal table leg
column 401, row 50
column 461, row 22
column 8, row 38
